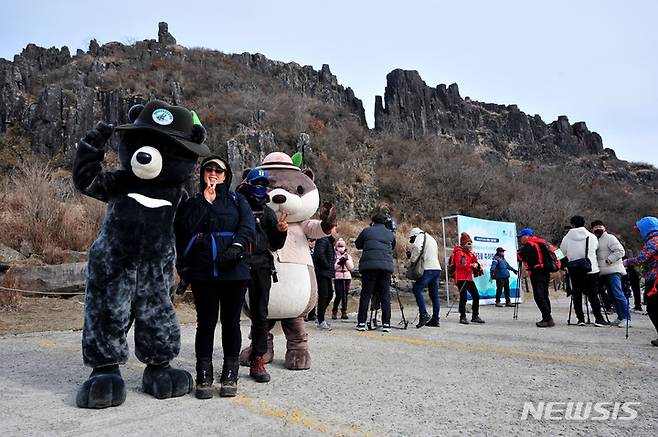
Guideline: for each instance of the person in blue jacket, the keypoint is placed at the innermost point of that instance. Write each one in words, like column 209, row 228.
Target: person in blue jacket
column 500, row 269
column 214, row 232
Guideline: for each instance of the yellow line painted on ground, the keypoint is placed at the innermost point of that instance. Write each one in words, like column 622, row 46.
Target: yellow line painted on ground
column 491, row 349
column 294, row 416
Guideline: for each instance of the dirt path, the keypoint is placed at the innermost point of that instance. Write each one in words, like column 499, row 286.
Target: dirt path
column 452, row 380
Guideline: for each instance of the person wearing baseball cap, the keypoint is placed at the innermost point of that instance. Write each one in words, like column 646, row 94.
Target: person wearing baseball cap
column 532, row 256
column 500, row 269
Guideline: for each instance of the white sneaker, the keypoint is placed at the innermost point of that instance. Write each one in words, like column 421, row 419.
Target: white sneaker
column 582, row 324
column 325, row 326
column 360, row 326
column 386, row 328
column 617, row 322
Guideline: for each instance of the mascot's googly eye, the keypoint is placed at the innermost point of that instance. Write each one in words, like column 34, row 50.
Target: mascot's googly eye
column 134, row 112
column 146, row 162
column 300, row 190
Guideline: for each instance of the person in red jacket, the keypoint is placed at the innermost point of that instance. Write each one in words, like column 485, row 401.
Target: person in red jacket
column 466, row 265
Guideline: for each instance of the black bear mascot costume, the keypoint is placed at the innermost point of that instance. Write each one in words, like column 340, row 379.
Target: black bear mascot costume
column 130, row 276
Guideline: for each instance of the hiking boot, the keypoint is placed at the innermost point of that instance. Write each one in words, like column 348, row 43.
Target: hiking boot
column 424, row 318
column 257, row 370
column 509, row 304
column 229, row 378
column 463, row 320
column 600, row 323
column 476, row 319
column 343, row 315
column 581, row 323
column 545, row 323
column 324, row 326
column 204, row 378
column 360, row 326
column 433, row 322
column 334, row 315
column 386, row 328
column 499, row 305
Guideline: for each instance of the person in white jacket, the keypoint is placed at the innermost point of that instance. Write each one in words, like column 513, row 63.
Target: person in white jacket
column 609, row 256
column 573, row 247
column 431, row 273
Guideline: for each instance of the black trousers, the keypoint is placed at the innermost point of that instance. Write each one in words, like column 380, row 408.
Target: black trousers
column 342, row 287
column 540, row 280
column 468, row 286
column 375, row 283
column 325, row 294
column 502, row 284
column 634, row 280
column 586, row 284
column 259, row 297
column 652, row 303
column 223, row 299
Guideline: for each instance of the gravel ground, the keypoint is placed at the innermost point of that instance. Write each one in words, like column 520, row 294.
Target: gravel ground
column 452, row 380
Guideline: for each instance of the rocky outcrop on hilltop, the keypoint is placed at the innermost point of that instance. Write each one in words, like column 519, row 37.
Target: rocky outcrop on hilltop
column 53, row 98
column 414, row 110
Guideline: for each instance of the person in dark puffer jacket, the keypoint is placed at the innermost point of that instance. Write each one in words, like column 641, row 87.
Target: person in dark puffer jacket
column 376, row 267
column 214, row 230
column 271, row 235
column 324, row 258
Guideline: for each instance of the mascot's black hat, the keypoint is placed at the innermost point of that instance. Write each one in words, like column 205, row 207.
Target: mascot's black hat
column 174, row 122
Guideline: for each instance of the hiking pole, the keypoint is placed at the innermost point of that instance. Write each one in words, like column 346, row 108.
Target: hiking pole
column 569, row 289
column 570, row 305
column 455, row 301
column 396, row 284
column 515, row 313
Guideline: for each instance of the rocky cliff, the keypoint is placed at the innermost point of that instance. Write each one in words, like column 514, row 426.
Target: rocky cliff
column 53, row 98
column 415, row 110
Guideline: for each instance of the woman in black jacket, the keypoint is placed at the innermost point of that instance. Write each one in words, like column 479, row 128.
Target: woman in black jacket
column 214, row 231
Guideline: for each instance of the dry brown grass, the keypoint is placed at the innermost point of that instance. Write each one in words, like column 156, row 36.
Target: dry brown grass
column 41, row 206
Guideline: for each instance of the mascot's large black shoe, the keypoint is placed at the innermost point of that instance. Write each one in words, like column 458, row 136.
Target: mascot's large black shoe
column 164, row 382
column 104, row 388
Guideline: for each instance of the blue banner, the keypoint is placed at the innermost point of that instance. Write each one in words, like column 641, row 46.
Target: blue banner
column 488, row 235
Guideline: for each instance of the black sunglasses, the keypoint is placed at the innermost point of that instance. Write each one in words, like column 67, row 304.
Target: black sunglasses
column 210, row 169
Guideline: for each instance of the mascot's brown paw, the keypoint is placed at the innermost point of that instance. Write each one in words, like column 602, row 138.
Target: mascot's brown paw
column 298, row 360
column 163, row 382
column 245, row 355
column 104, row 388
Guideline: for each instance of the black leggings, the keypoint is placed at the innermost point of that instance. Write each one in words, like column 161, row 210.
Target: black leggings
column 259, row 298
column 342, row 287
column 375, row 283
column 586, row 284
column 468, row 286
column 218, row 298
column 652, row 303
column 325, row 293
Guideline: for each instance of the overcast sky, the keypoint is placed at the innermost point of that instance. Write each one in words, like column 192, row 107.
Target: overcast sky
column 592, row 60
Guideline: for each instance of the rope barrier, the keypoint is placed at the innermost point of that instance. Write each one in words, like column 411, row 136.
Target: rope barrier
column 47, row 293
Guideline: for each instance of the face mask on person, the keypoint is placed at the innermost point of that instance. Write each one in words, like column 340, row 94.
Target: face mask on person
column 598, row 233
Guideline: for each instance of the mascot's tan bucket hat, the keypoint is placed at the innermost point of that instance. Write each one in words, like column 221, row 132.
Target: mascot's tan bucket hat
column 278, row 160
